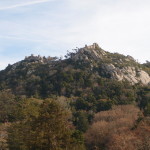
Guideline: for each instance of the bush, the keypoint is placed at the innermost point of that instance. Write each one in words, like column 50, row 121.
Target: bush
column 108, row 123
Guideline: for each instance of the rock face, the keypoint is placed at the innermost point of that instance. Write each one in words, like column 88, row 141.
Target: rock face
column 89, row 53
column 114, row 66
column 127, row 73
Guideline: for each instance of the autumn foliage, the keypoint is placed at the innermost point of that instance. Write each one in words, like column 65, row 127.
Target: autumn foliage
column 115, row 130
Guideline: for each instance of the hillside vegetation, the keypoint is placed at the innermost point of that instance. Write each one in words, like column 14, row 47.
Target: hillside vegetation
column 91, row 100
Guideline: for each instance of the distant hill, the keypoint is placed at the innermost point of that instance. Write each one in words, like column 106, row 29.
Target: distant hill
column 83, row 70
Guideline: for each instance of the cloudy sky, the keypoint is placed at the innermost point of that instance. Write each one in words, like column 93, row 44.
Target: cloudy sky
column 51, row 27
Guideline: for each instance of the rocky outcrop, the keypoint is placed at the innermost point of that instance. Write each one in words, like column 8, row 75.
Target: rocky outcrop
column 92, row 52
column 130, row 74
column 110, row 63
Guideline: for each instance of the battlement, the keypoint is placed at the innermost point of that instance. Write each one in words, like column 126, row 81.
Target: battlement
column 41, row 59
column 33, row 58
column 94, row 46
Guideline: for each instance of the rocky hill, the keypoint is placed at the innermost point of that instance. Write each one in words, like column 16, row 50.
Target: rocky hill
column 79, row 102
column 81, row 70
column 116, row 66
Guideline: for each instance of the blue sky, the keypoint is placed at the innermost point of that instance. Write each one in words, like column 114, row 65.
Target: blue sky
column 51, row 27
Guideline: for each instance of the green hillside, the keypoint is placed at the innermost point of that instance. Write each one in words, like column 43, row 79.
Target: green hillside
column 61, row 103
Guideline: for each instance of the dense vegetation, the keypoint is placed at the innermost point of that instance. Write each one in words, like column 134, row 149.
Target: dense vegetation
column 68, row 104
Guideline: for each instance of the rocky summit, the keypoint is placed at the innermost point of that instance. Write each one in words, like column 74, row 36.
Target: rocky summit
column 81, row 70
column 114, row 65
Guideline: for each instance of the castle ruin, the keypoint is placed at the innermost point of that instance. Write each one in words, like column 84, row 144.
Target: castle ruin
column 94, row 46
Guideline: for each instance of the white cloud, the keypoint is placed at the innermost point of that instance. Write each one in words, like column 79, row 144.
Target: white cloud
column 21, row 38
column 24, row 4
column 120, row 25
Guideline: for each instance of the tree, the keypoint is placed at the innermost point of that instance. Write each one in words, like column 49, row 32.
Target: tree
column 49, row 130
column 112, row 123
column 81, row 121
column 104, row 104
column 8, row 105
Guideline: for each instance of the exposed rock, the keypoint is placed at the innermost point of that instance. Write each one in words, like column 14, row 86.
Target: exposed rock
column 89, row 52
column 127, row 73
column 114, row 65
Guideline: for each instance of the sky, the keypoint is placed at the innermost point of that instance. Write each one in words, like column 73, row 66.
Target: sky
column 51, row 27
